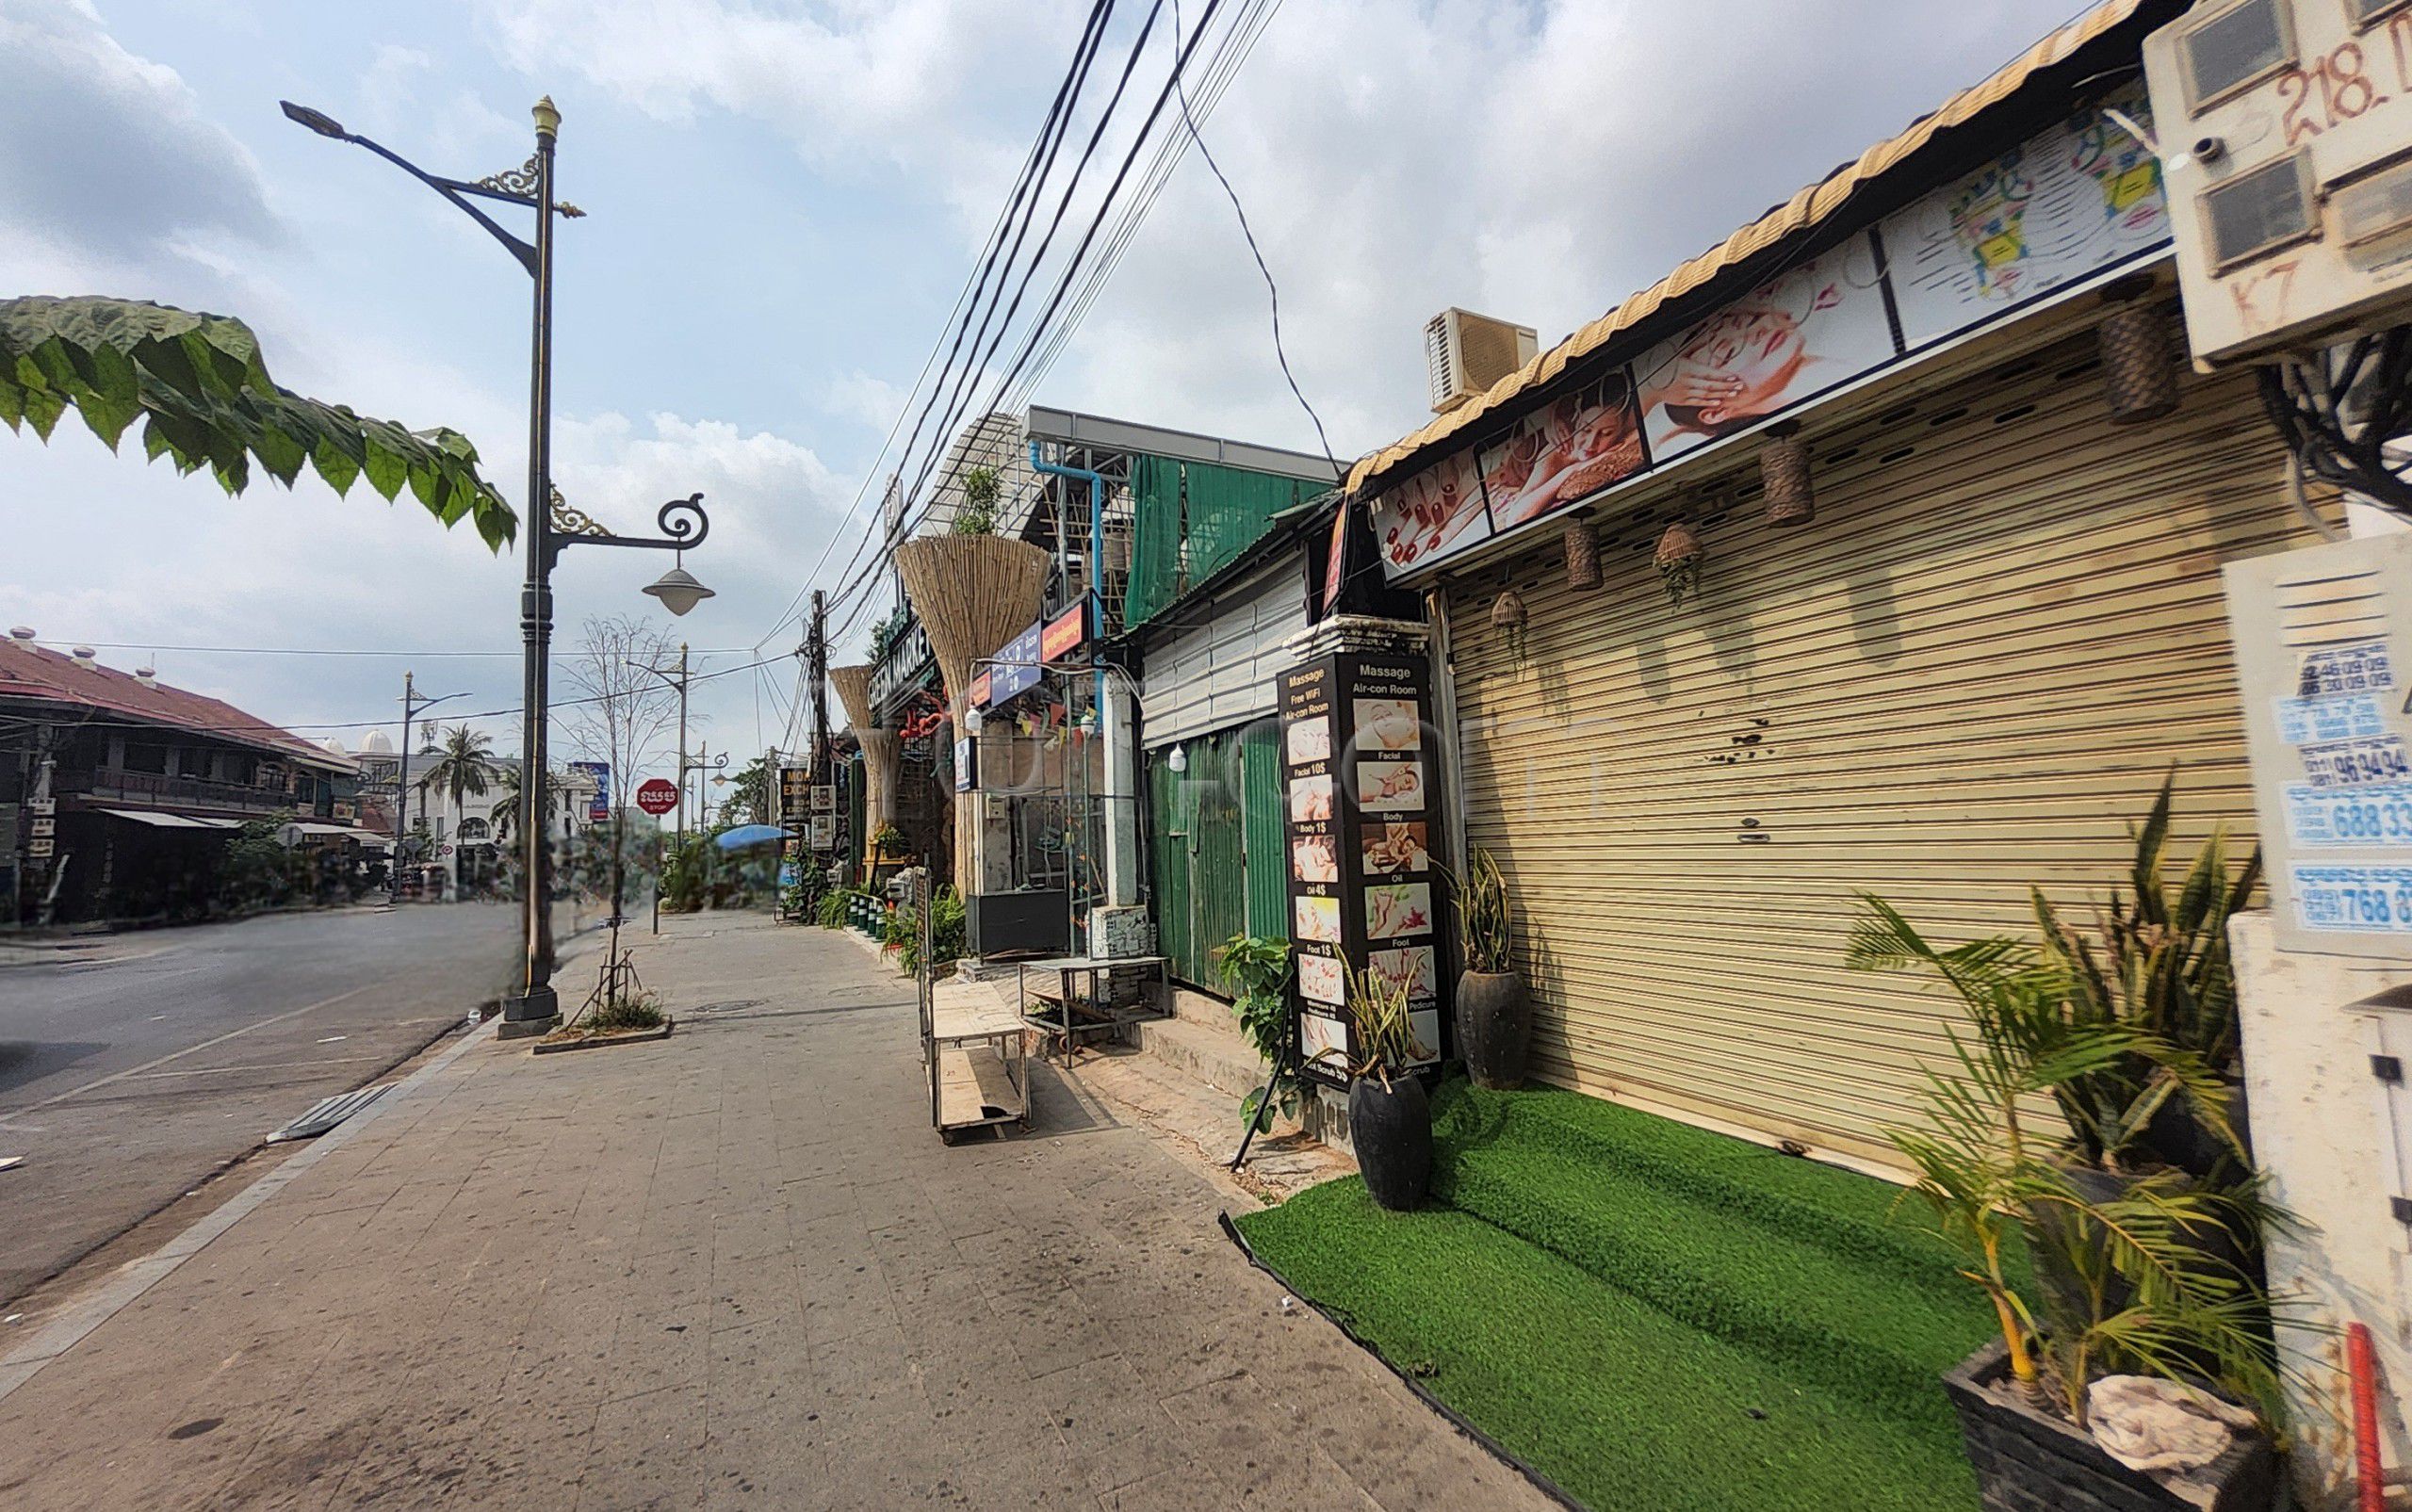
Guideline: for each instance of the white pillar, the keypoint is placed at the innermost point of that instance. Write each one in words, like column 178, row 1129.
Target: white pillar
column 1121, row 798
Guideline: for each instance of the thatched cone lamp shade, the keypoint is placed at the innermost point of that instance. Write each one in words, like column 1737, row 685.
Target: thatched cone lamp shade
column 880, row 747
column 1582, row 555
column 1783, row 475
column 2139, row 371
column 972, row 594
column 1678, row 561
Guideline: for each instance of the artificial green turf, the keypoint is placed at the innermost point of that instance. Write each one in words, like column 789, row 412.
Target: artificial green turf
column 1610, row 1296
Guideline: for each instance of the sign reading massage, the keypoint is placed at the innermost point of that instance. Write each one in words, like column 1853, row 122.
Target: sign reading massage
column 1358, row 774
column 2075, row 201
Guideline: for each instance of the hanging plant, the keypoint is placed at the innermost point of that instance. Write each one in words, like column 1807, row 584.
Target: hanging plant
column 1678, row 562
column 1507, row 616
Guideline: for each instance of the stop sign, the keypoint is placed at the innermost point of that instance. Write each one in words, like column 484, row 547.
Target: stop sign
column 657, row 796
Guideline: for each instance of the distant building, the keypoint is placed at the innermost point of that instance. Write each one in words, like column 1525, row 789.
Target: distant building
column 119, row 793
column 465, row 842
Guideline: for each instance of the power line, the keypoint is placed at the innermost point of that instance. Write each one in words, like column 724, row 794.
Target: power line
column 1272, row 289
column 263, row 729
column 327, row 651
column 958, row 390
column 1059, row 114
column 1072, row 265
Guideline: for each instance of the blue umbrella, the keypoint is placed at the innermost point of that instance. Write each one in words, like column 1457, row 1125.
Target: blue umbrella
column 745, row 835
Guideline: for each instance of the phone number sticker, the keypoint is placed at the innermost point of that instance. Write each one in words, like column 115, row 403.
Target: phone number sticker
column 2380, row 814
column 2356, row 763
column 2353, row 717
column 2361, row 667
column 2354, row 900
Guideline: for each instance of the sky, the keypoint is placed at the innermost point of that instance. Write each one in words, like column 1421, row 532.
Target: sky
column 784, row 203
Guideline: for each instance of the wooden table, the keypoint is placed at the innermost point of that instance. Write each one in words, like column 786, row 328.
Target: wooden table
column 1067, row 966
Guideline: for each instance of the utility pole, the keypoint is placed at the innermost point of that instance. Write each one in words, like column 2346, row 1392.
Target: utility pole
column 683, row 748
column 817, row 659
column 412, row 705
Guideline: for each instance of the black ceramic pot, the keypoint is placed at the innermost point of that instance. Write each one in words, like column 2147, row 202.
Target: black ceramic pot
column 1391, row 1129
column 1494, row 1027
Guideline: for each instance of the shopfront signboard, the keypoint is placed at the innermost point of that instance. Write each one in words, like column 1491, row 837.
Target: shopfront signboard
column 1359, row 772
column 1019, row 663
column 2070, row 206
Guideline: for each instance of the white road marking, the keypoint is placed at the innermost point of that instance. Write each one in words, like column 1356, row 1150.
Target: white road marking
column 265, row 1066
column 177, row 1055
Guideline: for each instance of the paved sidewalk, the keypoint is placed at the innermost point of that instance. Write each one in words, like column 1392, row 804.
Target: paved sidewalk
column 734, row 1268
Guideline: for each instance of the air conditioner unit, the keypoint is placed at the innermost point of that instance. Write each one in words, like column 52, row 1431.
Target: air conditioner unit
column 2285, row 143
column 1468, row 352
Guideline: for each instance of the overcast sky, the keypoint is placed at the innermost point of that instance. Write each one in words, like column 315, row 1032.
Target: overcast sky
column 784, row 201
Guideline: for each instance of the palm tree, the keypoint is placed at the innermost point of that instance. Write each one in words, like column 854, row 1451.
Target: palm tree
column 463, row 761
column 506, row 808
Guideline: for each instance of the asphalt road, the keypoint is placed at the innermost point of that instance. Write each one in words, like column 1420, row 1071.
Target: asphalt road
column 130, row 1071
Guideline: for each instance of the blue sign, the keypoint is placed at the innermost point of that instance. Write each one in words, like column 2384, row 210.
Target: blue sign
column 599, row 808
column 1015, row 669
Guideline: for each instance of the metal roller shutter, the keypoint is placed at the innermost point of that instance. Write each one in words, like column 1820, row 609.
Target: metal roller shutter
column 1219, row 669
column 1967, row 674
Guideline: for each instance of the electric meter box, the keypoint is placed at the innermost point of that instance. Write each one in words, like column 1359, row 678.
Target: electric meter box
column 2320, row 634
column 2286, row 146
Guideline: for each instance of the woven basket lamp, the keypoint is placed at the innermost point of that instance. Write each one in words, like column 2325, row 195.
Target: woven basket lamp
column 1509, row 617
column 1784, row 474
column 1582, row 555
column 2139, row 374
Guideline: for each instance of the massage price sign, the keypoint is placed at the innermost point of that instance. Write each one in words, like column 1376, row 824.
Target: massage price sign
column 1357, row 751
column 2321, row 637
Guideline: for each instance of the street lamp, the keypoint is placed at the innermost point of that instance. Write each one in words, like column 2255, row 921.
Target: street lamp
column 551, row 526
column 413, row 705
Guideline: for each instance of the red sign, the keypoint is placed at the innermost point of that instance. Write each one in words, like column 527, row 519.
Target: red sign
column 1064, row 633
column 657, row 796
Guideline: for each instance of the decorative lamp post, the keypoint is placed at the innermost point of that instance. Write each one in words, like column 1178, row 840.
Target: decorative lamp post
column 550, row 525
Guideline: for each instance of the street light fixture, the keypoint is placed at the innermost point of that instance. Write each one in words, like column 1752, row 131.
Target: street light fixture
column 551, row 526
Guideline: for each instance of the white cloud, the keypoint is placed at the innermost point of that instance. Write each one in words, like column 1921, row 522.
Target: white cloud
column 110, row 164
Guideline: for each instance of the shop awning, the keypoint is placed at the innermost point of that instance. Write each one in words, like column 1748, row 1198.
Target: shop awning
column 158, row 819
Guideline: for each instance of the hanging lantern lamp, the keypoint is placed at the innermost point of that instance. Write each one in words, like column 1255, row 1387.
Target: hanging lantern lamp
column 2139, row 371
column 1509, row 617
column 1784, row 474
column 1582, row 555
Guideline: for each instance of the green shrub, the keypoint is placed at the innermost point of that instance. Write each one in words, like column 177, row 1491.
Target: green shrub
column 900, row 932
column 1255, row 968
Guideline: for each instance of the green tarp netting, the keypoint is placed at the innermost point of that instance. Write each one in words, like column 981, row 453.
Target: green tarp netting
column 1191, row 520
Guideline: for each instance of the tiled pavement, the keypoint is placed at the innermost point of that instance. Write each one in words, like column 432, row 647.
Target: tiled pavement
column 734, row 1268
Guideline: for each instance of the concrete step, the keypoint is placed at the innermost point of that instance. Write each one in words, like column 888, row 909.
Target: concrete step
column 1195, row 1007
column 1217, row 1056
column 1207, row 1123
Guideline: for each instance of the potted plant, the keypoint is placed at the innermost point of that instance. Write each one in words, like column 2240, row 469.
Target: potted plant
column 1255, row 968
column 2143, row 1278
column 1390, row 1121
column 1494, row 1018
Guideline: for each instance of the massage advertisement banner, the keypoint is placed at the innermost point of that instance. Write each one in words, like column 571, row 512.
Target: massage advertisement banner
column 1436, row 513
column 1358, row 770
column 2061, row 207
column 2070, row 204
column 1564, row 453
column 1810, row 327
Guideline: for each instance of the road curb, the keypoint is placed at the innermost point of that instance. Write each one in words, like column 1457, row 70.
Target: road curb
column 133, row 1279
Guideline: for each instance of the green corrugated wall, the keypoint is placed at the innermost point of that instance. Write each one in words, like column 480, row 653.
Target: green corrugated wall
column 1215, row 848
column 1268, row 879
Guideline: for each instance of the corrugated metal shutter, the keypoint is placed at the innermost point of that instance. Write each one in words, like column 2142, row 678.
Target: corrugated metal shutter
column 1220, row 671
column 1968, row 674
